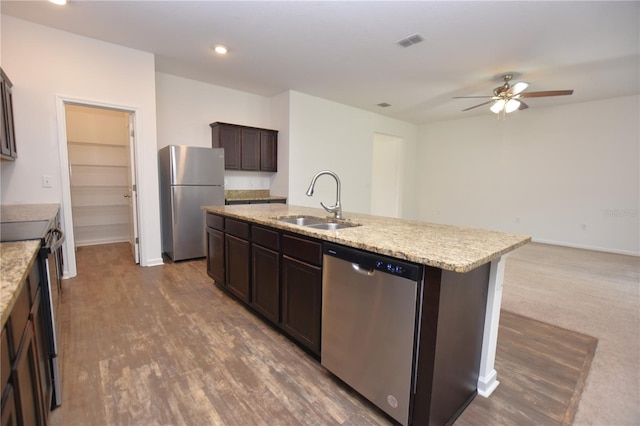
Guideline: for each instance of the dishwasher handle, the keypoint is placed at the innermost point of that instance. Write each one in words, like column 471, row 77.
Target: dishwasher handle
column 363, row 269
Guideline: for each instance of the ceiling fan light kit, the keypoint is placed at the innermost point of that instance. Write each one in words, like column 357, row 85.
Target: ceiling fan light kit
column 507, row 98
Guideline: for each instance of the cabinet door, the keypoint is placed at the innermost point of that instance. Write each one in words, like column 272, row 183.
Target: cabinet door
column 301, row 302
column 250, row 149
column 237, row 266
column 265, row 280
column 27, row 380
column 268, row 151
column 5, row 147
column 227, row 137
column 215, row 255
column 9, row 415
column 7, row 129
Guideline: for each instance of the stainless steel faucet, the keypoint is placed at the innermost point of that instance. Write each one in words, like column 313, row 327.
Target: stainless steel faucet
column 337, row 208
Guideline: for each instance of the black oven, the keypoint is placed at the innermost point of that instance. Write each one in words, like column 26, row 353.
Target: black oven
column 50, row 263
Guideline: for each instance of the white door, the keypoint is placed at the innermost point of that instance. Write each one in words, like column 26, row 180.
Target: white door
column 132, row 195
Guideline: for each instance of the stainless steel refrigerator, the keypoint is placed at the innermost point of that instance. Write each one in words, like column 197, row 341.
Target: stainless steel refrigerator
column 190, row 177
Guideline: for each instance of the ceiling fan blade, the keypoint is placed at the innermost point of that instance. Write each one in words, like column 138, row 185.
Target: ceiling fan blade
column 522, row 105
column 479, row 105
column 546, row 93
column 473, row 97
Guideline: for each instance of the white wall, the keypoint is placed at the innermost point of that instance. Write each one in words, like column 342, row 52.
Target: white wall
column 185, row 108
column 44, row 63
column 327, row 135
column 565, row 175
column 280, row 107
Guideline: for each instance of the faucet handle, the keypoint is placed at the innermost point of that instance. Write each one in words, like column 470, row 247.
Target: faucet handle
column 330, row 209
column 336, row 210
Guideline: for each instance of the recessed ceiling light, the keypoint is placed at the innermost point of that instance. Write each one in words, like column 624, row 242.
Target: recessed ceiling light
column 59, row 2
column 221, row 50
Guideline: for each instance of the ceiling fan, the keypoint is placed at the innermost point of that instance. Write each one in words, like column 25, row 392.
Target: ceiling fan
column 507, row 98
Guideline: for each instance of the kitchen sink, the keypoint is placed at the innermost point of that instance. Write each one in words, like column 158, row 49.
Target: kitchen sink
column 302, row 220
column 331, row 225
column 318, row 222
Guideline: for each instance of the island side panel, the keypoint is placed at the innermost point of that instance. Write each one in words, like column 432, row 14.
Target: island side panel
column 451, row 344
column 487, row 380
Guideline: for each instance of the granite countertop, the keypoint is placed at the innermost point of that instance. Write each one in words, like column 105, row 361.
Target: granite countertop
column 446, row 247
column 250, row 195
column 28, row 212
column 16, row 261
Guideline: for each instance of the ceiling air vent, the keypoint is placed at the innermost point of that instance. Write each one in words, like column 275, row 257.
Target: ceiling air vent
column 411, row 40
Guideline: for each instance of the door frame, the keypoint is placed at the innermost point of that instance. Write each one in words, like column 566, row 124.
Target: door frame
column 66, row 214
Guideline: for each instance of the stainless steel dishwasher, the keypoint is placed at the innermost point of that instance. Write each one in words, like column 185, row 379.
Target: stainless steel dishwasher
column 369, row 305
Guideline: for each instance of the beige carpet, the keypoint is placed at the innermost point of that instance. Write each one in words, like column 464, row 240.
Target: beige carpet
column 594, row 293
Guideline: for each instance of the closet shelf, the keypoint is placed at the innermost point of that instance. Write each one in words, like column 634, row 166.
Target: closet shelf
column 120, row 166
column 98, row 186
column 101, row 144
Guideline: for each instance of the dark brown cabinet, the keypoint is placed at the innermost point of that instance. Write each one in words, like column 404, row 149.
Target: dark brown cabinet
column 215, row 248
column 268, row 151
column 250, row 148
column 27, row 380
column 26, row 391
column 246, row 148
column 265, row 272
column 302, row 290
column 8, row 408
column 237, row 258
column 277, row 275
column 237, row 279
column 7, row 128
column 215, row 255
column 301, row 294
column 9, row 414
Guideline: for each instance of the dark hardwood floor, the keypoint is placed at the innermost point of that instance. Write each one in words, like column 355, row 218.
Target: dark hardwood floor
column 164, row 346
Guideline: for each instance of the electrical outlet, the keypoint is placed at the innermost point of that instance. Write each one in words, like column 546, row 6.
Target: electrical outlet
column 47, row 181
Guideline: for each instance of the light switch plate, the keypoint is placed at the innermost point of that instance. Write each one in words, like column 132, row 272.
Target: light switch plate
column 47, row 181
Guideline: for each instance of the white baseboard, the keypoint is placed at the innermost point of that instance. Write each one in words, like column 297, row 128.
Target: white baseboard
column 585, row 247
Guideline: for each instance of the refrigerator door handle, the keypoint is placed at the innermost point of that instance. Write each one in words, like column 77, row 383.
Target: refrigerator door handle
column 174, row 207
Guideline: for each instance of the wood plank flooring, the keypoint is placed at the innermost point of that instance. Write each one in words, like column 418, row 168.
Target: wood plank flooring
column 164, row 346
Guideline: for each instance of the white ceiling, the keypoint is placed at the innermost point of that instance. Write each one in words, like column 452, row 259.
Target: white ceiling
column 346, row 51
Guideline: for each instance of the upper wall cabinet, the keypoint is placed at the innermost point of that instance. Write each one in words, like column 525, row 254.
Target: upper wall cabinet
column 7, row 132
column 246, row 148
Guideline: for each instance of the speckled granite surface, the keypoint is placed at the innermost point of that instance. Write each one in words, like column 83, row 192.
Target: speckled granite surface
column 16, row 260
column 250, row 195
column 28, row 212
column 443, row 246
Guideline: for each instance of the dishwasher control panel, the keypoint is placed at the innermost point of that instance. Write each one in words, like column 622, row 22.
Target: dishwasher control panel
column 375, row 261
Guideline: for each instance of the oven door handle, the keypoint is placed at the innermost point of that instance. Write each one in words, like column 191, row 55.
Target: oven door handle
column 58, row 239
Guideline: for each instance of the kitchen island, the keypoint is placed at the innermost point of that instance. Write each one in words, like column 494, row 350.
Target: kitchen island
column 266, row 262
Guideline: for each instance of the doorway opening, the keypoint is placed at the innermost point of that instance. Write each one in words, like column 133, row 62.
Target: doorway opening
column 386, row 175
column 100, row 195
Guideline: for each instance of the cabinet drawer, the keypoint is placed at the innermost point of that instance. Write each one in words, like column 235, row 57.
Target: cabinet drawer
column 265, row 237
column 302, row 249
column 19, row 316
column 215, row 222
column 237, row 228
